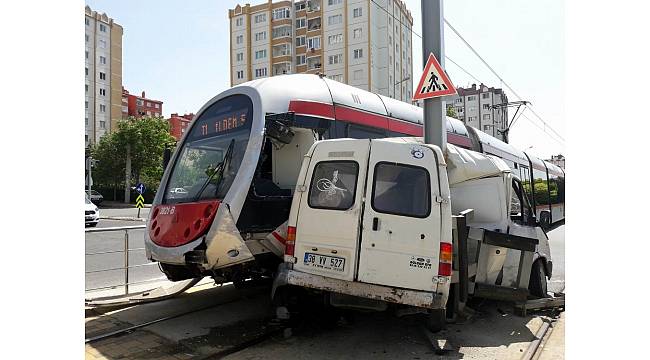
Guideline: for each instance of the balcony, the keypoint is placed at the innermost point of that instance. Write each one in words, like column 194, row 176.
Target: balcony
column 282, row 50
column 313, row 5
column 314, row 63
column 314, row 24
column 280, row 69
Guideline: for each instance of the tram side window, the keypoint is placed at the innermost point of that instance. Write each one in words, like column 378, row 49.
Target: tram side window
column 554, row 189
column 540, row 187
column 362, row 132
column 525, row 180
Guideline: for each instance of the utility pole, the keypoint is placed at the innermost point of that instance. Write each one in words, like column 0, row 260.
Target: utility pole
column 433, row 42
column 127, row 182
column 90, row 177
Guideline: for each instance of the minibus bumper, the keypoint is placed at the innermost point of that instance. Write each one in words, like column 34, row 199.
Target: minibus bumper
column 419, row 298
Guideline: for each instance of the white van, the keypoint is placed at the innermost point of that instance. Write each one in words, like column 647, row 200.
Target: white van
column 372, row 220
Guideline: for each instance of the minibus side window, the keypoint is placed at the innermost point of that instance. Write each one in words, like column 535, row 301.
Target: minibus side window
column 333, row 185
column 400, row 189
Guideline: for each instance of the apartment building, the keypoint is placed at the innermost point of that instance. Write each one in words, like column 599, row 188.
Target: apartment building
column 178, row 124
column 480, row 107
column 139, row 106
column 363, row 43
column 103, row 79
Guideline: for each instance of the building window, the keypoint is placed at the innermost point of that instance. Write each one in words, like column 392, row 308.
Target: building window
column 260, row 72
column 240, row 56
column 240, row 39
column 86, row 87
column 86, row 120
column 459, row 100
column 102, row 60
column 282, row 31
column 300, row 41
column 102, row 76
column 86, row 54
column 486, row 116
column 487, row 127
column 157, row 106
column 260, row 36
column 301, row 5
column 260, row 54
column 87, row 21
column 337, row 77
column 87, row 37
column 102, row 92
column 485, row 95
column 260, row 18
column 334, row 19
column 471, row 98
column 239, row 21
column 102, row 27
column 86, row 71
column 335, row 59
column 102, row 44
column 471, row 118
column 357, row 12
column 334, row 39
column 486, row 106
column 282, row 13
column 459, row 110
column 86, row 104
column 313, row 42
column 301, row 60
column 358, row 53
column 301, row 23
column 102, row 124
column 358, row 74
column 357, row 33
column 240, row 74
column 334, row 2
column 102, row 108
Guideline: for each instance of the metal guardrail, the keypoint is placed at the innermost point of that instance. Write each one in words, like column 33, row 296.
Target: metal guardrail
column 125, row 250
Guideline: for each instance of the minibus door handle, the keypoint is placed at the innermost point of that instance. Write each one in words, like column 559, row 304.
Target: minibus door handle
column 375, row 223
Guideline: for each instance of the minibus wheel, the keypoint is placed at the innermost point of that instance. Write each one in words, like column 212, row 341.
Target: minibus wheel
column 436, row 320
column 537, row 282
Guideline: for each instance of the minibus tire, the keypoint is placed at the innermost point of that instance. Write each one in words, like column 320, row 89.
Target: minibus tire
column 537, row 283
column 436, row 321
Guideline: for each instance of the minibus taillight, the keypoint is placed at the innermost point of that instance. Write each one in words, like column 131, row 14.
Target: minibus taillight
column 291, row 241
column 444, row 264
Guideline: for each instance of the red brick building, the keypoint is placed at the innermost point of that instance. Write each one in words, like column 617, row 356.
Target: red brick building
column 138, row 106
column 178, row 124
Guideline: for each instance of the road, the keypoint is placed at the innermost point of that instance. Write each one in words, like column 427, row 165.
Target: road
column 114, row 241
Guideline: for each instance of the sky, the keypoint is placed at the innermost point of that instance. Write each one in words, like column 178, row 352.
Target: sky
column 178, row 52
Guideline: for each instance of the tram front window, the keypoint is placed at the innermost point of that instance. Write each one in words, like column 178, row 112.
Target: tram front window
column 212, row 152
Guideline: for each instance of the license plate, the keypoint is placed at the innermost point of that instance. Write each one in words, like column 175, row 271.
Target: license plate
column 324, row 262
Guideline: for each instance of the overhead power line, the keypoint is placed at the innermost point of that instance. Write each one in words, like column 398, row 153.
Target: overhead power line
column 546, row 125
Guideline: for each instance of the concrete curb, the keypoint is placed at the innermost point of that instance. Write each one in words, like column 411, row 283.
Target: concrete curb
column 125, row 218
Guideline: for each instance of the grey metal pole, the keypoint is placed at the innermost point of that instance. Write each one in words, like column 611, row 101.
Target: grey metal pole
column 433, row 42
column 126, row 262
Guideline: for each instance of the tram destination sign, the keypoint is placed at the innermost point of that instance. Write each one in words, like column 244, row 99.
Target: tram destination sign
column 210, row 126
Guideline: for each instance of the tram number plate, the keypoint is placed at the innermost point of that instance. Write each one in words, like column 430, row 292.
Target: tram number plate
column 324, row 262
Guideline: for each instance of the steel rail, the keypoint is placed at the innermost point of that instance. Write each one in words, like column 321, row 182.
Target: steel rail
column 160, row 279
column 112, row 252
column 116, row 228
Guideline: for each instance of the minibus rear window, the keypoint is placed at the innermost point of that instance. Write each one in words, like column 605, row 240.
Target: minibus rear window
column 400, row 189
column 333, row 185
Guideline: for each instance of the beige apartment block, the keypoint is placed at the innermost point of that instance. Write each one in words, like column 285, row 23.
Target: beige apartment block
column 481, row 107
column 103, row 81
column 363, row 43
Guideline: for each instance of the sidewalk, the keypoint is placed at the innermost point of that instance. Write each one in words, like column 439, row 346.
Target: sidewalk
column 553, row 347
column 107, row 204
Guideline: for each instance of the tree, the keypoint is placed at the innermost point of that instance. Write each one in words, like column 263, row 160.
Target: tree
column 144, row 140
column 451, row 112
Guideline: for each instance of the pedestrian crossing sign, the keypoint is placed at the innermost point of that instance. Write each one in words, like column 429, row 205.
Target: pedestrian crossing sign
column 434, row 81
column 139, row 202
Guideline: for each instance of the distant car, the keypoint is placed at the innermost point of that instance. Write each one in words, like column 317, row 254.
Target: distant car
column 178, row 192
column 91, row 213
column 95, row 197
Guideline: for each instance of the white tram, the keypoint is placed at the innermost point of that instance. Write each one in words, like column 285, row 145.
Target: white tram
column 239, row 160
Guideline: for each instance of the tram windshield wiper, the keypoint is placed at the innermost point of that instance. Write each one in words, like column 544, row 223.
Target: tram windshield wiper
column 219, row 169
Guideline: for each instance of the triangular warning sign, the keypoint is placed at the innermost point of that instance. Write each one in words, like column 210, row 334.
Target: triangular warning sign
column 434, row 81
